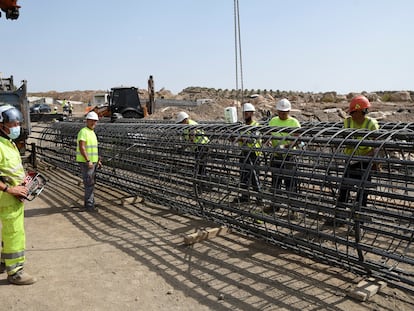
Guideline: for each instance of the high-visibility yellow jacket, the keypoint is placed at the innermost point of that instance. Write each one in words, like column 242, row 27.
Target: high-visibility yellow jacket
column 91, row 144
column 196, row 136
column 368, row 124
column 11, row 167
column 252, row 142
column 289, row 122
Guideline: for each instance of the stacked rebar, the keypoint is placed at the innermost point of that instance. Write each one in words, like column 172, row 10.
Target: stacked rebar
column 304, row 196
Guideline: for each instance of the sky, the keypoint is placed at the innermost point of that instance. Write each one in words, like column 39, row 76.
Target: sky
column 296, row 45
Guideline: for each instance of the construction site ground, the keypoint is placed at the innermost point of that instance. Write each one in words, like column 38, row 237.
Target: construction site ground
column 132, row 256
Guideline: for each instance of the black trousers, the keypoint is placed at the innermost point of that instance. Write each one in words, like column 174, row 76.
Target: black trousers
column 355, row 171
column 201, row 155
column 249, row 176
column 283, row 173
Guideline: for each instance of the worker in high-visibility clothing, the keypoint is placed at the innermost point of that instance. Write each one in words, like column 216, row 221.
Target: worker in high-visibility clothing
column 358, row 110
column 12, row 194
column 88, row 158
column 200, row 141
column 280, row 160
column 248, row 141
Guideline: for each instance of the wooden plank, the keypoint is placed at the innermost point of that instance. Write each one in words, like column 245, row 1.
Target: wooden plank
column 366, row 289
column 201, row 235
column 131, row 200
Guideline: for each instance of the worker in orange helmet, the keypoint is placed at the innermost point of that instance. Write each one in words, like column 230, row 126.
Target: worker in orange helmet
column 358, row 119
column 358, row 109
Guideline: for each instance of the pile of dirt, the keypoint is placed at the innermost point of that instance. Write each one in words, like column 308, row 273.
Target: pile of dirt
column 396, row 106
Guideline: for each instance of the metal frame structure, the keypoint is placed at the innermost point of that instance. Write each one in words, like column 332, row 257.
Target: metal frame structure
column 372, row 232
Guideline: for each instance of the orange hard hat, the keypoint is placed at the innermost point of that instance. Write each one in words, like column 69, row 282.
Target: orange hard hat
column 359, row 102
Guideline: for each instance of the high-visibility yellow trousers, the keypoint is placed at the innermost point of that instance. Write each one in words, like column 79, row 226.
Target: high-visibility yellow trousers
column 12, row 232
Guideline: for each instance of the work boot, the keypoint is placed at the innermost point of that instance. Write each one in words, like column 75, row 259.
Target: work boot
column 92, row 210
column 2, row 267
column 21, row 278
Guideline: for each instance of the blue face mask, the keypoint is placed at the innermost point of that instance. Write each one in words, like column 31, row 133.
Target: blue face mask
column 14, row 132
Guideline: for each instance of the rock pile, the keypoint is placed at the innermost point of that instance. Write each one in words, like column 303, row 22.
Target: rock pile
column 389, row 106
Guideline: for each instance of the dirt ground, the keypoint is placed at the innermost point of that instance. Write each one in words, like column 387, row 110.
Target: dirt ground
column 131, row 256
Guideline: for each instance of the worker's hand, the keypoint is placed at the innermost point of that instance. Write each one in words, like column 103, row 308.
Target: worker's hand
column 99, row 164
column 18, row 191
column 90, row 165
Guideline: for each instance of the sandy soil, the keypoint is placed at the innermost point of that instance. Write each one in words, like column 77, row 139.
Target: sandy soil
column 132, row 257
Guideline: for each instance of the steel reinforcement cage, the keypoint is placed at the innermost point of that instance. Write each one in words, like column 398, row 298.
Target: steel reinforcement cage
column 295, row 201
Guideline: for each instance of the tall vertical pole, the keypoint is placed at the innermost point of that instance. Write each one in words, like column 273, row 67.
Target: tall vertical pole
column 238, row 52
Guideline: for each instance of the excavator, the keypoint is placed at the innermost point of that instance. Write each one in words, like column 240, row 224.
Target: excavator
column 124, row 102
column 10, row 7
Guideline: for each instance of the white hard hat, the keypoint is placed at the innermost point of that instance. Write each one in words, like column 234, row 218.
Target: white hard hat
column 10, row 113
column 283, row 105
column 92, row 115
column 248, row 107
column 181, row 116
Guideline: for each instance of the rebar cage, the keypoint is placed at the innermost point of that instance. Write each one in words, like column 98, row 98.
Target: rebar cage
column 310, row 196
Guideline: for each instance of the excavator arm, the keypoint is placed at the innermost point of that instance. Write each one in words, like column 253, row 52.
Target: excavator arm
column 10, row 7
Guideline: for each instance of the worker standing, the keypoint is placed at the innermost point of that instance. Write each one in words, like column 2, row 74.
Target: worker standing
column 12, row 194
column 248, row 159
column 199, row 139
column 88, row 158
column 70, row 109
column 281, row 160
column 358, row 119
column 63, row 104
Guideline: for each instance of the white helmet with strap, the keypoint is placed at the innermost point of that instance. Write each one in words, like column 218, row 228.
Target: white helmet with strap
column 10, row 114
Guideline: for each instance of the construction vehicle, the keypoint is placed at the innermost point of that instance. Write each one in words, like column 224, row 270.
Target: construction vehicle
column 123, row 102
column 17, row 97
column 10, row 7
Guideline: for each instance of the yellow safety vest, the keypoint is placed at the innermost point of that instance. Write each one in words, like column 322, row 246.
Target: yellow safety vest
column 198, row 135
column 252, row 143
column 368, row 124
column 289, row 122
column 91, row 144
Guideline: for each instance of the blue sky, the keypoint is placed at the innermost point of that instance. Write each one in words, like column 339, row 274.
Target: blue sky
column 297, row 45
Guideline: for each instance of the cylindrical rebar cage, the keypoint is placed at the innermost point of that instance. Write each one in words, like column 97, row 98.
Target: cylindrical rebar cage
column 304, row 188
